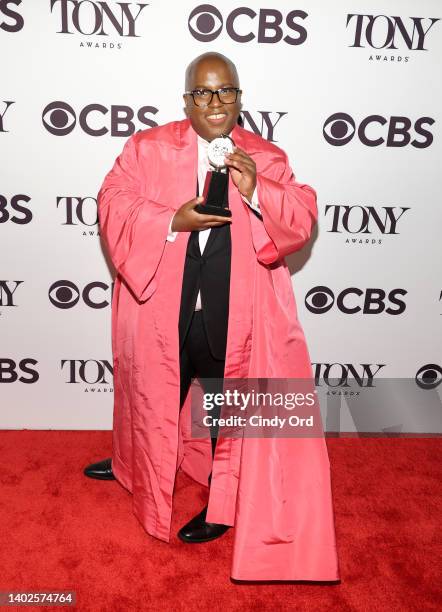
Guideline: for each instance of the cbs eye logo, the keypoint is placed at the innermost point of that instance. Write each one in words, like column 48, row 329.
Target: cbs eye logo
column 339, row 129
column 205, row 23
column 60, row 119
column 319, row 299
column 64, row 294
column 268, row 25
column 352, row 300
column 429, row 376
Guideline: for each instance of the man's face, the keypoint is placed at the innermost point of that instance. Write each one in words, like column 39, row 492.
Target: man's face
column 217, row 118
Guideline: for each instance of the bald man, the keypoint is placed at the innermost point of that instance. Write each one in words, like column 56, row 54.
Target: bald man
column 210, row 297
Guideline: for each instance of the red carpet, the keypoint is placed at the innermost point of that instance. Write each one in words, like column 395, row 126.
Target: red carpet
column 61, row 530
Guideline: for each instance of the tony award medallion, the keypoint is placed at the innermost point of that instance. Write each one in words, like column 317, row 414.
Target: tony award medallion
column 217, row 181
column 218, row 149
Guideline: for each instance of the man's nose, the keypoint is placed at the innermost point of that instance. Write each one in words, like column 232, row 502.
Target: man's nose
column 215, row 100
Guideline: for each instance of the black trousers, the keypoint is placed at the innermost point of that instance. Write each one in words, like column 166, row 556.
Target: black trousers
column 196, row 360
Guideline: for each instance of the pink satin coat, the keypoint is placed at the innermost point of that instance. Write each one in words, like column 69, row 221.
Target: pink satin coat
column 275, row 492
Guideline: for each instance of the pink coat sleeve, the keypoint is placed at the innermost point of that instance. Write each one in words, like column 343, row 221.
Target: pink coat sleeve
column 134, row 228
column 289, row 213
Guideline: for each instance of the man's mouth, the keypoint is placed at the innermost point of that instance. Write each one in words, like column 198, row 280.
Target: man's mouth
column 216, row 118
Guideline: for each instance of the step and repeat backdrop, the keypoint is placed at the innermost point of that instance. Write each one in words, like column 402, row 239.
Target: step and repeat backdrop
column 351, row 90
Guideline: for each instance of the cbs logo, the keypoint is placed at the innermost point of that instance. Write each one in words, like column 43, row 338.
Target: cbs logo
column 339, row 129
column 16, row 204
column 64, row 294
column 352, row 300
column 244, row 24
column 10, row 19
column 60, row 119
column 11, row 371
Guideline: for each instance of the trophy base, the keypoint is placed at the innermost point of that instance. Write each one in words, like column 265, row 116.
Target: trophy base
column 208, row 209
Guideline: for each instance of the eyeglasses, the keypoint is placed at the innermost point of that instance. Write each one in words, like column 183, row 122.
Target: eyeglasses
column 203, row 97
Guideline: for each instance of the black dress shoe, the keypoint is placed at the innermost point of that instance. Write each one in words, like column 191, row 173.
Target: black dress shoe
column 101, row 470
column 198, row 530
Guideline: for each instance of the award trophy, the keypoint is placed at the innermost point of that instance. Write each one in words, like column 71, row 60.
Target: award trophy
column 217, row 181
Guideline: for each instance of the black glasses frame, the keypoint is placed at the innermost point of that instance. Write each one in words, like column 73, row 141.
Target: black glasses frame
column 213, row 92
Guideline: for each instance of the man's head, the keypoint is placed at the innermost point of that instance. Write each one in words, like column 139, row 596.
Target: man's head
column 212, row 71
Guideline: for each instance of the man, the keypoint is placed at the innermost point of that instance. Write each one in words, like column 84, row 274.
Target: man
column 172, row 320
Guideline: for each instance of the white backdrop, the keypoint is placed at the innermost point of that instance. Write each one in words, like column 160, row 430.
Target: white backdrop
column 322, row 60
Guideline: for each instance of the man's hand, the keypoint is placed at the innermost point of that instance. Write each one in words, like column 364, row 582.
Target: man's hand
column 243, row 171
column 186, row 219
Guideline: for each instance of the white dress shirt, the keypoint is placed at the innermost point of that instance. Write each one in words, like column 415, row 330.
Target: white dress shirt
column 203, row 167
